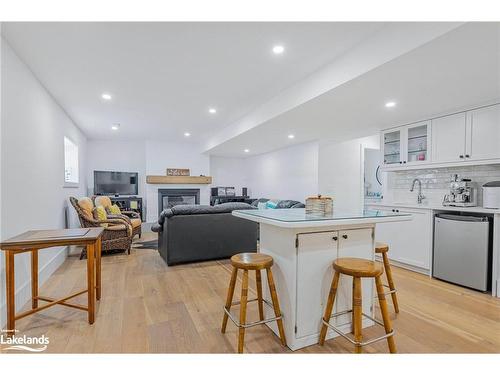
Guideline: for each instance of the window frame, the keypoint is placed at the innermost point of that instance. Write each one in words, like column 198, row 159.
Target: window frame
column 71, row 184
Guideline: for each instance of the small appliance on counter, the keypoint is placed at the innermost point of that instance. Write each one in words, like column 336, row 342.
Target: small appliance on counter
column 463, row 193
column 491, row 194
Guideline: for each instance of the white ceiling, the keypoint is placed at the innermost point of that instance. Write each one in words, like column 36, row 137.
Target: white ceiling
column 165, row 76
column 457, row 70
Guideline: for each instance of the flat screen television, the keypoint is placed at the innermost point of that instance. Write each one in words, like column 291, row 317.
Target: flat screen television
column 115, row 183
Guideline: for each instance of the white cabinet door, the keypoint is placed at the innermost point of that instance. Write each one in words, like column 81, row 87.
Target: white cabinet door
column 484, row 134
column 417, row 143
column 393, row 146
column 410, row 242
column 315, row 255
column 448, row 138
column 357, row 243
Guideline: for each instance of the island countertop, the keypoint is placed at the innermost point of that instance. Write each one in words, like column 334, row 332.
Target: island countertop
column 297, row 217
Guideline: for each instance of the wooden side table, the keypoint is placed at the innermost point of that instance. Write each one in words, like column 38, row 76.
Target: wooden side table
column 35, row 240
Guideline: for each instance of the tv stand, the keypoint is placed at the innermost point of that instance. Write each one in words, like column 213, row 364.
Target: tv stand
column 129, row 203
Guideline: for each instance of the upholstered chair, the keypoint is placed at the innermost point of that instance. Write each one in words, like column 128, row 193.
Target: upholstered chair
column 117, row 231
column 133, row 218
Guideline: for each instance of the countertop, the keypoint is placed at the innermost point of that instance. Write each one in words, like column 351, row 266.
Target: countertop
column 297, row 217
column 435, row 207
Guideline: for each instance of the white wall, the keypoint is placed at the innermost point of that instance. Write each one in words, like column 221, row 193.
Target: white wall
column 341, row 171
column 32, row 168
column 120, row 156
column 229, row 172
column 288, row 173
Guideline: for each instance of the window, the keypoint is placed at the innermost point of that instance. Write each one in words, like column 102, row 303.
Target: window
column 71, row 171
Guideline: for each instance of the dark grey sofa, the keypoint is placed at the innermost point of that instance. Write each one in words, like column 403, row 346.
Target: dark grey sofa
column 197, row 233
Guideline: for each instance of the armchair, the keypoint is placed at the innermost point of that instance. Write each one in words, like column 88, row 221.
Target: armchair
column 133, row 218
column 117, row 231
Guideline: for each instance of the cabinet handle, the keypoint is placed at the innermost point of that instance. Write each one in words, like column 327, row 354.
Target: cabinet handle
column 344, row 236
column 400, row 162
column 404, row 162
column 335, row 238
column 467, row 156
column 393, row 210
column 461, row 156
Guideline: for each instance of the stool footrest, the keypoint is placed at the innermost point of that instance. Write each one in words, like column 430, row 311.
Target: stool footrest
column 252, row 324
column 354, row 342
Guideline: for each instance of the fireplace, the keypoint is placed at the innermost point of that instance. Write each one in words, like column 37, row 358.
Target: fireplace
column 168, row 198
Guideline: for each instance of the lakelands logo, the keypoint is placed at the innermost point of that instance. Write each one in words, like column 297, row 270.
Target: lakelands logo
column 24, row 343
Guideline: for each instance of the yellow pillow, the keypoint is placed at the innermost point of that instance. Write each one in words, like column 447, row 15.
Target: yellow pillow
column 100, row 214
column 114, row 210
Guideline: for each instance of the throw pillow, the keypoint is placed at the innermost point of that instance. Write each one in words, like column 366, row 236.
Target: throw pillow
column 271, row 204
column 114, row 210
column 100, row 214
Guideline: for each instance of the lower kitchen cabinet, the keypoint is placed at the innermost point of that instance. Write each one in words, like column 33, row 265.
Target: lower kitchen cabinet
column 315, row 255
column 410, row 242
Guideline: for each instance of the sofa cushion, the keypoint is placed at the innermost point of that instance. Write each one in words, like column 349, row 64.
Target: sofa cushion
column 87, row 206
column 289, row 204
column 198, row 209
column 135, row 222
column 114, row 210
column 103, row 200
column 100, row 214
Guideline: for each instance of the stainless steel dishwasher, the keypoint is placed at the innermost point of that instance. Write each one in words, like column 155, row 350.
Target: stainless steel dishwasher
column 461, row 250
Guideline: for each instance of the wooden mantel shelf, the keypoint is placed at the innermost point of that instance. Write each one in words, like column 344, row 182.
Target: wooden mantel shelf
column 178, row 179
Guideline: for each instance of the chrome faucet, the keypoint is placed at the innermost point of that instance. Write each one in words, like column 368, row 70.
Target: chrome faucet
column 420, row 196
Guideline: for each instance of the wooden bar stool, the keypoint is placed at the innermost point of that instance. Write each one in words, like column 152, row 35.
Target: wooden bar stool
column 358, row 268
column 254, row 262
column 382, row 248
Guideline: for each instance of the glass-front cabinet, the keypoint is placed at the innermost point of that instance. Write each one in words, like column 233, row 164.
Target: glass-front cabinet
column 418, row 143
column 392, row 147
column 407, row 144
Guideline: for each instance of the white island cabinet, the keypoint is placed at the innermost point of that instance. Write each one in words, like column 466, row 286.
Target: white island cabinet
column 304, row 247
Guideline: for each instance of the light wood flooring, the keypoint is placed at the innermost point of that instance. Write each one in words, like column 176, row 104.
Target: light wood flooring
column 148, row 307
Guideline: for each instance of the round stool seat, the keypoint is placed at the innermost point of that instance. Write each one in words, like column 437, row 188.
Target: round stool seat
column 358, row 267
column 381, row 248
column 252, row 261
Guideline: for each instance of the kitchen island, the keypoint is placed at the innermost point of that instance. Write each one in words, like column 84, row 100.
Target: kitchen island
column 304, row 247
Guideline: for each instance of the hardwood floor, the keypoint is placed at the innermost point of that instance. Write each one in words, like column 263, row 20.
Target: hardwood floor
column 148, row 307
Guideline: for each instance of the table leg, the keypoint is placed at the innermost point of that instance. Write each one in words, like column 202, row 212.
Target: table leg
column 91, row 282
column 34, row 278
column 10, row 288
column 98, row 268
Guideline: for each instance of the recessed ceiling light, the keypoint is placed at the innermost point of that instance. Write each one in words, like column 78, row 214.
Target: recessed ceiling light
column 291, row 136
column 390, row 104
column 106, row 96
column 212, row 111
column 115, row 126
column 246, row 150
column 278, row 50
column 187, row 134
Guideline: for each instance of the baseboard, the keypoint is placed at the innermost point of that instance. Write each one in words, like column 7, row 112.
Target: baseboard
column 406, row 266
column 23, row 292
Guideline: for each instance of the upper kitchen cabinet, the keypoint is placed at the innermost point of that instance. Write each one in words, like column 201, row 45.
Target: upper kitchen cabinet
column 483, row 133
column 392, row 147
column 407, row 144
column 418, row 142
column 448, row 138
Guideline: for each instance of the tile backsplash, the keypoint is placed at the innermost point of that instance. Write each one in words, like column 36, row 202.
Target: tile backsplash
column 435, row 181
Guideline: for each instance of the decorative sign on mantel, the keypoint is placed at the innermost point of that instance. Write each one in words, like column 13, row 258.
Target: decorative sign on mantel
column 178, row 172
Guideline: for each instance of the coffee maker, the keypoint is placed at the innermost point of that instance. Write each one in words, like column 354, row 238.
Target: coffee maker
column 463, row 193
